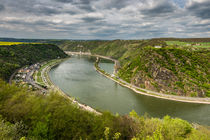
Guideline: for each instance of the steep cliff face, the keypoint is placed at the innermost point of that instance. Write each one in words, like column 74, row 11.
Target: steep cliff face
column 170, row 70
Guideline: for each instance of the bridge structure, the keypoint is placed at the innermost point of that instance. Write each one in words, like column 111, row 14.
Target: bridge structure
column 77, row 53
column 116, row 62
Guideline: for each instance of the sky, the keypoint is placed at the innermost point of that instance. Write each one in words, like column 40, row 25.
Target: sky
column 104, row 19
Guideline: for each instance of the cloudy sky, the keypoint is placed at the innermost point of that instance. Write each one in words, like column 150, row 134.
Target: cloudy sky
column 104, row 19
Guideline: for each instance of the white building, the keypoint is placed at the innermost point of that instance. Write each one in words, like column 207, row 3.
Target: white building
column 158, row 46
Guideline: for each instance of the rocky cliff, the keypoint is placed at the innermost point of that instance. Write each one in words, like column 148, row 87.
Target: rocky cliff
column 170, row 70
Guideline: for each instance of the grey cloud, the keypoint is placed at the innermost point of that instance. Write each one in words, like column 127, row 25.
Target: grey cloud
column 2, row 7
column 44, row 10
column 160, row 9
column 86, row 7
column 118, row 4
column 84, row 1
column 91, row 19
column 33, row 7
column 201, row 25
column 64, row 1
column 201, row 10
column 82, row 4
column 106, row 33
column 71, row 12
column 76, row 1
column 102, row 19
column 27, row 23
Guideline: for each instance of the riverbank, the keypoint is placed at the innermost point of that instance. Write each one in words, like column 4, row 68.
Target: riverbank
column 41, row 78
column 152, row 93
column 55, row 88
column 141, row 90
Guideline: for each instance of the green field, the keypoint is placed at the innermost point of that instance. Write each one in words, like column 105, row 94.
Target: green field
column 193, row 44
column 39, row 75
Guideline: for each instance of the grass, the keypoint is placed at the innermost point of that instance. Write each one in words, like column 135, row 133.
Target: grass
column 193, row 44
column 39, row 80
column 39, row 75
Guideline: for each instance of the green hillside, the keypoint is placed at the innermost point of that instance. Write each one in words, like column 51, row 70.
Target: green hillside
column 170, row 70
column 15, row 56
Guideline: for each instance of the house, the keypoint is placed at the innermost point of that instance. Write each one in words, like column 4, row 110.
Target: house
column 24, row 76
column 158, row 46
column 112, row 75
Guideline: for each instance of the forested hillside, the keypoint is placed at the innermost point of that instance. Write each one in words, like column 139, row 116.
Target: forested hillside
column 15, row 56
column 29, row 115
column 169, row 70
column 154, row 65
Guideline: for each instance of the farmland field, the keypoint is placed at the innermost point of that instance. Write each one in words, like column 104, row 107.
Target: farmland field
column 193, row 44
column 10, row 43
column 14, row 43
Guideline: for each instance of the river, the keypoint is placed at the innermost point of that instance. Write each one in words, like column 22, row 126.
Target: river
column 78, row 78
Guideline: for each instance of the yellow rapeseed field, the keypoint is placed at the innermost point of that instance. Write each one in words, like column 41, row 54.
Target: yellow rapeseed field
column 10, row 43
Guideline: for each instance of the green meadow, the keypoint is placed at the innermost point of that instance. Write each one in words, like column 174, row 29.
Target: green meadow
column 193, row 44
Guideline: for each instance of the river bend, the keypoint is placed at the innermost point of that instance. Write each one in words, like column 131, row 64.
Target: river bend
column 78, row 78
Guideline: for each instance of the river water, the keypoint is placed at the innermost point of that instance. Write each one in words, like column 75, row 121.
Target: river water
column 78, row 78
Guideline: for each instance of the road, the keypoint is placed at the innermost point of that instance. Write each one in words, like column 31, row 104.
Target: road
column 29, row 79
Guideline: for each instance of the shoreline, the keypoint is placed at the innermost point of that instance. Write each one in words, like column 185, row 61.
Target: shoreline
column 161, row 96
column 145, row 92
column 132, row 87
column 62, row 93
column 52, row 87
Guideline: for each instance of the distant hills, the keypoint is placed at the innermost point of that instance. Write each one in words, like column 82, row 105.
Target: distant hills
column 48, row 40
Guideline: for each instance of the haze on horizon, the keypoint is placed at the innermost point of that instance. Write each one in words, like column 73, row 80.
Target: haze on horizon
column 104, row 19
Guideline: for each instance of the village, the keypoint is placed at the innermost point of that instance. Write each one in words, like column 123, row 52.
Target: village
column 25, row 77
